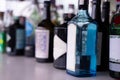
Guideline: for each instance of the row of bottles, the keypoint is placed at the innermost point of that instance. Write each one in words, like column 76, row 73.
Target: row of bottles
column 78, row 43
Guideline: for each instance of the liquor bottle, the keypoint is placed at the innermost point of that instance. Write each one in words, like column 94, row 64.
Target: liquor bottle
column 20, row 36
column 81, row 43
column 114, row 51
column 104, row 66
column 60, row 39
column 102, row 54
column 30, row 31
column 44, row 34
column 30, row 39
column 10, row 32
column 2, row 36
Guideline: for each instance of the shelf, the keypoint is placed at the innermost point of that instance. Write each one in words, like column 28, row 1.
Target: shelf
column 24, row 68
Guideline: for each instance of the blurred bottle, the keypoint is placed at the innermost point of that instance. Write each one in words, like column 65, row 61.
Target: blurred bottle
column 29, row 39
column 2, row 35
column 44, row 37
column 81, row 43
column 60, row 39
column 10, row 32
column 20, row 36
column 105, row 38
column 36, row 15
column 114, row 46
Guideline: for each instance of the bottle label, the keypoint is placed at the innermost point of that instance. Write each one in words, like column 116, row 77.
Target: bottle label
column 42, row 43
column 20, row 39
column 99, row 46
column 71, row 50
column 114, row 52
column 60, row 47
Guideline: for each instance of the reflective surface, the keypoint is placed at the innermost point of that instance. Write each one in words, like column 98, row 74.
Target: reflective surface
column 24, row 68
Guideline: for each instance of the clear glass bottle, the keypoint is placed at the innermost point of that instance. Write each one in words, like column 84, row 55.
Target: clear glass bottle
column 81, row 43
column 114, row 46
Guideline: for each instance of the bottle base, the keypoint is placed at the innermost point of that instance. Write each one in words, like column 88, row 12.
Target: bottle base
column 81, row 74
column 60, row 63
column 44, row 60
column 59, row 67
column 29, row 54
column 30, row 51
column 115, row 75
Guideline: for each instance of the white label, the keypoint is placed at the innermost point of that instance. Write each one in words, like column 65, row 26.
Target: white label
column 114, row 67
column 99, row 46
column 59, row 47
column 42, row 43
column 114, row 52
column 115, row 48
column 71, row 47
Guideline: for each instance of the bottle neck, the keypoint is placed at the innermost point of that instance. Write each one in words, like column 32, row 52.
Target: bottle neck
column 105, row 11
column 47, row 12
column 83, row 13
column 98, row 11
column 83, row 9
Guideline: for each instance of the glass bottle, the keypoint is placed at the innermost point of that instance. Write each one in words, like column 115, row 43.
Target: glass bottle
column 2, row 35
column 81, row 43
column 103, row 57
column 60, row 39
column 114, row 46
column 20, row 36
column 44, row 37
column 10, row 22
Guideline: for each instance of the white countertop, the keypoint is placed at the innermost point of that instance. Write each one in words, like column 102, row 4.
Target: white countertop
column 24, row 68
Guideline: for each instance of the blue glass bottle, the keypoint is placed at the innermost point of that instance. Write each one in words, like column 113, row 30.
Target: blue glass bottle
column 82, row 41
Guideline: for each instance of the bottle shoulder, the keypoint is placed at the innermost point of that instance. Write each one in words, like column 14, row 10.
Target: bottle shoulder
column 82, row 23
column 46, row 24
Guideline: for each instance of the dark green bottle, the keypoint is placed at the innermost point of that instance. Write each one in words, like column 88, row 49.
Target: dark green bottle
column 114, row 48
